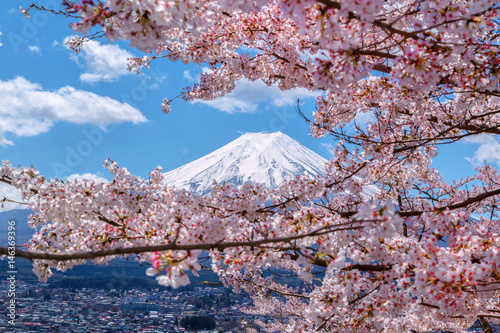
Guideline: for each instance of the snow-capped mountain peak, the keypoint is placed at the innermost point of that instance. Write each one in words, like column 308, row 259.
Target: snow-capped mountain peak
column 264, row 158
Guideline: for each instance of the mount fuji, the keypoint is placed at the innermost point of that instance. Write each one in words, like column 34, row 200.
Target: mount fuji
column 264, row 158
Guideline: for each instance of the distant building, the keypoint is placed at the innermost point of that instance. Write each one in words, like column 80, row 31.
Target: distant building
column 139, row 306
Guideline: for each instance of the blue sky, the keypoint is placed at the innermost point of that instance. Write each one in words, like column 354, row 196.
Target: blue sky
column 65, row 113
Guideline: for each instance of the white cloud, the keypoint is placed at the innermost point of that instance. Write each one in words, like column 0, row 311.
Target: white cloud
column 362, row 118
column 195, row 77
column 153, row 79
column 480, row 138
column 102, row 62
column 247, row 94
column 98, row 178
column 488, row 151
column 189, row 77
column 34, row 48
column 11, row 193
column 328, row 147
column 26, row 109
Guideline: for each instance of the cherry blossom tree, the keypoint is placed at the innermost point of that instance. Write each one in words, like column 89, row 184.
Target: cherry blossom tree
column 421, row 254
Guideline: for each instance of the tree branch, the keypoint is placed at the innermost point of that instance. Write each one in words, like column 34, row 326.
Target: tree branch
column 461, row 204
column 164, row 247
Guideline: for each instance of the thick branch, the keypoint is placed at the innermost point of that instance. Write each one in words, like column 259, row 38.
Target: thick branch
column 485, row 325
column 164, row 247
column 7, row 180
column 461, row 204
column 368, row 268
column 382, row 68
column 480, row 316
column 377, row 23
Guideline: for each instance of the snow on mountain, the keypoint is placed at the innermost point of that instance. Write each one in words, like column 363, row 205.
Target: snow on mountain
column 264, row 158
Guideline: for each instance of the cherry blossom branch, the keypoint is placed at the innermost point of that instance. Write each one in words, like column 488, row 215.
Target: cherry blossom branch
column 441, row 137
column 25, row 12
column 164, row 247
column 279, row 292
column 5, row 199
column 7, row 180
column 461, row 204
column 484, row 323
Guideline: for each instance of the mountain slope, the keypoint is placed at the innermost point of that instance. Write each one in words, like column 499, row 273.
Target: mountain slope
column 264, row 158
